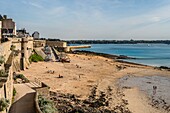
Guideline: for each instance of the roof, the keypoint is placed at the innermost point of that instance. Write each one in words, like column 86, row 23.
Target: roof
column 1, row 17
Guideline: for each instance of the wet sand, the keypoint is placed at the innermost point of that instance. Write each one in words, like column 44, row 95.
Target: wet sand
column 86, row 72
column 158, row 98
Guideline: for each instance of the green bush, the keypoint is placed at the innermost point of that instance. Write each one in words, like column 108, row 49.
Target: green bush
column 12, row 48
column 46, row 105
column 2, row 60
column 21, row 76
column 35, row 58
column 4, row 104
column 3, row 73
column 14, row 92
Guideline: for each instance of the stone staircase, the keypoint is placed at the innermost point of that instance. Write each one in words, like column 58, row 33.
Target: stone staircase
column 40, row 52
column 33, row 85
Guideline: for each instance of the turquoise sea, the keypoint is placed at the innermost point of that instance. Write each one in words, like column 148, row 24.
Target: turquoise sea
column 149, row 54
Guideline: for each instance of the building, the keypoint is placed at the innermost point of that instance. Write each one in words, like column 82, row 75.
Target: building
column 22, row 33
column 36, row 35
column 8, row 27
column 0, row 30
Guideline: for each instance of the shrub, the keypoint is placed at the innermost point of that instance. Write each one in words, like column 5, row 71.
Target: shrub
column 46, row 105
column 12, row 48
column 3, row 73
column 21, row 76
column 2, row 60
column 4, row 104
column 14, row 92
column 35, row 58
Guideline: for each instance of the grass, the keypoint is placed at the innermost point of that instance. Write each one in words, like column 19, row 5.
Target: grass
column 46, row 105
column 21, row 76
column 14, row 92
column 35, row 58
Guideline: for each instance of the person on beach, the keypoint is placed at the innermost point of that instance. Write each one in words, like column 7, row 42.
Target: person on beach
column 154, row 90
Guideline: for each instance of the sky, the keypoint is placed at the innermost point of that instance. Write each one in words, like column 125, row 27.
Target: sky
column 92, row 19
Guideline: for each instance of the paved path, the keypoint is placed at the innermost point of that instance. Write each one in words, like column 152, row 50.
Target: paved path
column 24, row 100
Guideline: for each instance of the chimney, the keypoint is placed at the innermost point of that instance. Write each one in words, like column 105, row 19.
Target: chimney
column 5, row 16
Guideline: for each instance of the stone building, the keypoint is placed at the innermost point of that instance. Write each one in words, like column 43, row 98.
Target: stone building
column 0, row 30
column 36, row 35
column 8, row 27
column 22, row 33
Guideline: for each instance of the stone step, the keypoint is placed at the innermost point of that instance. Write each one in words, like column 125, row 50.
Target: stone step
column 33, row 84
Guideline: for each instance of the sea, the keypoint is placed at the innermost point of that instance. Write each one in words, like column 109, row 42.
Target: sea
column 148, row 54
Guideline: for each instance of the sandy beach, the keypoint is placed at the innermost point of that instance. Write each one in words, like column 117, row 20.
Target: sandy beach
column 87, row 72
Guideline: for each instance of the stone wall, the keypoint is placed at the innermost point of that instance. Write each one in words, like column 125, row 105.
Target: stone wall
column 56, row 43
column 2, row 95
column 9, row 85
column 43, row 90
column 5, row 49
column 2, row 91
column 16, row 64
column 0, row 31
column 30, row 45
column 6, row 91
column 17, row 43
column 36, row 104
column 39, row 43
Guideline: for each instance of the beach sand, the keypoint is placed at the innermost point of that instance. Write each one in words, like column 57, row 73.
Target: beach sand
column 85, row 72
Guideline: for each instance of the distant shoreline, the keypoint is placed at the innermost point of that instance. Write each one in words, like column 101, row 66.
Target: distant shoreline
column 118, row 41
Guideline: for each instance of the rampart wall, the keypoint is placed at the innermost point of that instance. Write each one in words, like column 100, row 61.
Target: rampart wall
column 5, row 49
column 56, row 43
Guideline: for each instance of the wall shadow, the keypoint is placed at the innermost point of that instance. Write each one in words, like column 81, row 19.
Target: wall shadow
column 26, row 104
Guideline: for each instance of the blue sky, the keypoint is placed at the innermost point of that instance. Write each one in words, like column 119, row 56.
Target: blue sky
column 92, row 19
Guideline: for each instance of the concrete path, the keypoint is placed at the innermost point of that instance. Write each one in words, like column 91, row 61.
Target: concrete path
column 24, row 100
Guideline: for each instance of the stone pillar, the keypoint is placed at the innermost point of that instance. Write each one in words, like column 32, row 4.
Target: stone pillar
column 24, row 54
